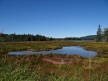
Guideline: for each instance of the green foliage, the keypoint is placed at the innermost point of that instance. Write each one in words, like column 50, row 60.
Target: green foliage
column 99, row 34
column 23, row 37
column 102, row 36
column 106, row 34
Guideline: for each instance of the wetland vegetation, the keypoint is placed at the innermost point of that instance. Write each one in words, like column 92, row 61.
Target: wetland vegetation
column 34, row 68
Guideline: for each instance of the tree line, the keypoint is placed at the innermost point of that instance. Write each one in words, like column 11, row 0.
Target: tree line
column 72, row 38
column 23, row 37
column 102, row 35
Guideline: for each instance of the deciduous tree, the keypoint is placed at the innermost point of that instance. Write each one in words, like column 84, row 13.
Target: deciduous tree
column 106, row 34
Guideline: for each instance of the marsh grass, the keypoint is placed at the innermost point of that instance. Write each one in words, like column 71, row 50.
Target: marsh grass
column 33, row 68
column 48, row 45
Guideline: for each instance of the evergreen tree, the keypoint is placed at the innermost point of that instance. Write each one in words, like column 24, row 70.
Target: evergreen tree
column 106, row 34
column 99, row 34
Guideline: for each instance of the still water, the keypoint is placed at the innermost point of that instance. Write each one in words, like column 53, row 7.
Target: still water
column 71, row 50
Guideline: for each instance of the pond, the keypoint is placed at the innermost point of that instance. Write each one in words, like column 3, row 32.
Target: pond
column 71, row 50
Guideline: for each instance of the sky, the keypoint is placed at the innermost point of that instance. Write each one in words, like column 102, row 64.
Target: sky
column 53, row 18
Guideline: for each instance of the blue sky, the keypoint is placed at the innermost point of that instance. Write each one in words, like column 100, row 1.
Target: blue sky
column 53, row 18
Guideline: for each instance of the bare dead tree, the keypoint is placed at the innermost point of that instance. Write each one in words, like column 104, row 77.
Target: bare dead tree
column 1, row 32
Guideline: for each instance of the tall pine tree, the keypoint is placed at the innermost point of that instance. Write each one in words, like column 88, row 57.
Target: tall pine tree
column 99, row 34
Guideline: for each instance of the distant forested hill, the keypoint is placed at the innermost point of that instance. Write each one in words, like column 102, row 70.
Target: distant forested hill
column 89, row 37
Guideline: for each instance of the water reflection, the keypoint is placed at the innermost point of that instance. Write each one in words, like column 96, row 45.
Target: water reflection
column 65, row 50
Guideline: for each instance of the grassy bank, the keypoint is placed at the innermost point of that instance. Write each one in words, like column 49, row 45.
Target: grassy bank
column 33, row 68
column 47, row 45
column 34, row 46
